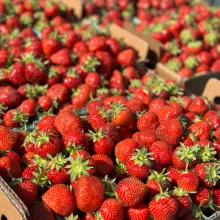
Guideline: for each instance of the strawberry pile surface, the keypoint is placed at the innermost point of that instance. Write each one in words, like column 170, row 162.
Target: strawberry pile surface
column 88, row 132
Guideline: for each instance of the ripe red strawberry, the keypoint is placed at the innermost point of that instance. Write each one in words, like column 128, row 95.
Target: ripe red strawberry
column 207, row 174
column 34, row 68
column 111, row 209
column 199, row 106
column 98, row 120
column 27, row 192
column 45, row 103
column 140, row 211
column 216, row 198
column 155, row 105
column 201, row 130
column 139, row 164
column 113, row 46
column 143, row 95
column 156, row 181
column 93, row 80
column 59, row 93
column 102, row 144
column 7, row 165
column 9, row 96
column 188, row 181
column 124, row 149
column 28, row 107
column 136, row 105
column 111, row 130
column 122, row 115
column 63, row 57
column 126, row 57
column 170, row 131
column 16, row 74
column 46, row 125
column 67, row 121
column 60, row 200
column 4, row 57
column 173, row 174
column 163, row 207
column 41, row 211
column 96, row 43
column 167, row 113
column 8, row 138
column 131, row 191
column 50, row 45
column 201, row 197
column 89, row 192
column 183, row 200
column 148, row 120
column 162, row 153
column 185, row 157
column 103, row 164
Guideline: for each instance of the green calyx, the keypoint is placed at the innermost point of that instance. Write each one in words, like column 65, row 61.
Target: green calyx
column 34, row 91
column 110, row 186
column 179, row 192
column 162, row 195
column 212, row 173
column 40, row 178
column 159, row 177
column 91, row 64
column 120, row 168
column 136, row 83
column 42, row 138
column 197, row 212
column 207, row 153
column 191, row 62
column 195, row 44
column 40, row 161
column 102, row 90
column 95, row 136
column 116, row 108
column 26, row 20
column 189, row 19
column 212, row 38
column 57, row 162
column 40, row 25
column 2, row 109
column 115, row 91
column 177, row 99
column 72, row 147
column 20, row 117
column 78, row 167
column 186, row 36
column 174, row 65
column 52, row 72
column 173, row 48
column 188, row 154
column 72, row 72
column 142, row 157
column 158, row 28
column 30, row 138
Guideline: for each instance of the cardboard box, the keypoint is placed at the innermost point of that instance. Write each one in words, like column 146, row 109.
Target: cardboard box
column 11, row 207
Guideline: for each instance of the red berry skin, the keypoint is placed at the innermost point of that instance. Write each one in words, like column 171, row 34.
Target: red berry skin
column 188, row 181
column 164, row 208
column 58, row 176
column 27, row 191
column 8, row 138
column 138, row 212
column 201, row 197
column 89, row 192
column 131, row 191
column 104, row 145
column 60, row 199
column 111, row 209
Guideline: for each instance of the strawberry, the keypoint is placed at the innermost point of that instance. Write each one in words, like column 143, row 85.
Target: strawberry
column 131, row 191
column 60, row 200
column 183, row 200
column 28, row 107
column 173, row 174
column 89, row 192
column 45, row 103
column 155, row 105
column 16, row 74
column 103, row 164
column 9, row 96
column 34, row 68
column 193, row 47
column 215, row 66
column 102, row 144
column 201, row 197
column 111, row 209
column 97, row 43
column 212, row 118
column 201, row 130
column 207, row 174
column 27, row 192
column 122, row 115
column 46, row 125
column 140, row 211
column 113, row 46
column 124, row 149
column 99, row 119
column 148, row 120
column 136, row 105
column 139, row 164
column 8, row 138
column 126, row 57
column 185, row 157
column 63, row 57
column 205, row 57
column 105, row 61
column 188, row 181
column 199, row 106
column 162, row 153
column 143, row 95
column 157, row 181
column 67, row 121
column 185, row 72
column 215, row 51
column 163, row 207
column 9, row 168
column 171, row 136
column 81, row 163
column 58, row 92
column 216, row 197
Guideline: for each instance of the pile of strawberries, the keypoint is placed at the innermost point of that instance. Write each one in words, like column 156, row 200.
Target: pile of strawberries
column 88, row 132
